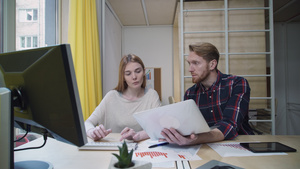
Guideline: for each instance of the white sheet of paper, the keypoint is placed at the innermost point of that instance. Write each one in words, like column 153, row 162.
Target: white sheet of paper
column 184, row 116
column 166, row 153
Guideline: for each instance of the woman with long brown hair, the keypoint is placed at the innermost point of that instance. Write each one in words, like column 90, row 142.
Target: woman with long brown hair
column 114, row 113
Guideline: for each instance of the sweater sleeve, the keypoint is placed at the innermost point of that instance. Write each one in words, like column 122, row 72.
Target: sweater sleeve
column 98, row 116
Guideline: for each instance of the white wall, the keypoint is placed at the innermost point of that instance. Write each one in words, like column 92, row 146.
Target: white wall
column 112, row 53
column 287, row 80
column 153, row 44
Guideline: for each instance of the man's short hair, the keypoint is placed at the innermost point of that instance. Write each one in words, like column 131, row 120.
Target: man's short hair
column 206, row 50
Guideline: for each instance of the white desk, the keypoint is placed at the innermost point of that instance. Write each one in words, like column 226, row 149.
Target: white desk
column 65, row 156
column 290, row 161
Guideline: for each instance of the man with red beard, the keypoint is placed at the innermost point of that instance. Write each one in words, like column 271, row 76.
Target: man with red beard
column 222, row 99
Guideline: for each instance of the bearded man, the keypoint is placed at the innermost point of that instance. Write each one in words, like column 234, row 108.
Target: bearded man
column 222, row 99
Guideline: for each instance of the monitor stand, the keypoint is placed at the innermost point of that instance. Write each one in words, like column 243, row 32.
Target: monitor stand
column 7, row 131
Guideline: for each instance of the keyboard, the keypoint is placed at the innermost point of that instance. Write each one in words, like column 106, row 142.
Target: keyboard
column 97, row 145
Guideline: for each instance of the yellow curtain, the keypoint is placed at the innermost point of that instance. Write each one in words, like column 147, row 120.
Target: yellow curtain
column 84, row 41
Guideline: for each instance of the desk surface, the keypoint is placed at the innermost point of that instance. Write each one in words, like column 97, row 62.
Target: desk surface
column 65, row 156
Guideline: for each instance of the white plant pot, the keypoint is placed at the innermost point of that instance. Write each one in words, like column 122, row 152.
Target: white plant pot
column 137, row 164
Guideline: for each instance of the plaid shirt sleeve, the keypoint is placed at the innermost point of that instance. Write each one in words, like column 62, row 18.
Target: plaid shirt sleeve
column 235, row 111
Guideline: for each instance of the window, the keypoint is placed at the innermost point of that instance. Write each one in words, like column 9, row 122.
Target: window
column 28, row 15
column 34, row 41
column 36, row 23
column 28, row 42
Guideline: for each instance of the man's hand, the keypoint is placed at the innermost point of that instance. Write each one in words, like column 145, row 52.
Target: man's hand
column 98, row 132
column 173, row 136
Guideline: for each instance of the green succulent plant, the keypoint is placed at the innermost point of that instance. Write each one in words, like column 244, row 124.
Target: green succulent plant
column 125, row 158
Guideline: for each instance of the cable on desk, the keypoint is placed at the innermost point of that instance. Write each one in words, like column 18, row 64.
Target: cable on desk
column 45, row 135
column 27, row 130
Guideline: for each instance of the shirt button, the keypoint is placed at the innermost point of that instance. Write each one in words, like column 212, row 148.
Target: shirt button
column 210, row 97
column 211, row 110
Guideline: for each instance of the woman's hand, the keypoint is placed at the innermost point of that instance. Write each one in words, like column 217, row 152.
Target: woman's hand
column 130, row 134
column 98, row 132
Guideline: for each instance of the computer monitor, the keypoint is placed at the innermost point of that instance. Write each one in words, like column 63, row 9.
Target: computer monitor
column 44, row 92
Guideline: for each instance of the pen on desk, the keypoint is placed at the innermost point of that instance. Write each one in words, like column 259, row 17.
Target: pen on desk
column 159, row 144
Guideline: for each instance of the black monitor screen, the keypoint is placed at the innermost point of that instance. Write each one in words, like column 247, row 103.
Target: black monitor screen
column 44, row 81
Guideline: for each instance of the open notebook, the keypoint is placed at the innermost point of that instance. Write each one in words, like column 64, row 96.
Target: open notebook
column 184, row 116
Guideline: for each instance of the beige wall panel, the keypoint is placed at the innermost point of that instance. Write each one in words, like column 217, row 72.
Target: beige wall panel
column 245, row 3
column 204, row 21
column 247, row 42
column 238, row 42
column 204, row 5
column 176, row 65
column 246, row 20
column 247, row 64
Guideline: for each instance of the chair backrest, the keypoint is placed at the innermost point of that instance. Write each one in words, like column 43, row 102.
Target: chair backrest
column 171, row 100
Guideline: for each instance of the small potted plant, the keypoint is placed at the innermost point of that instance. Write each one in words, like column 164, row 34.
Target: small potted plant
column 124, row 160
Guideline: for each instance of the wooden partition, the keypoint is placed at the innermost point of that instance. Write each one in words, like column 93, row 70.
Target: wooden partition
column 153, row 77
column 212, row 28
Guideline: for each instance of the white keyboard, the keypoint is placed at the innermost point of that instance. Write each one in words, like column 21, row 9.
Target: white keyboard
column 97, row 145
